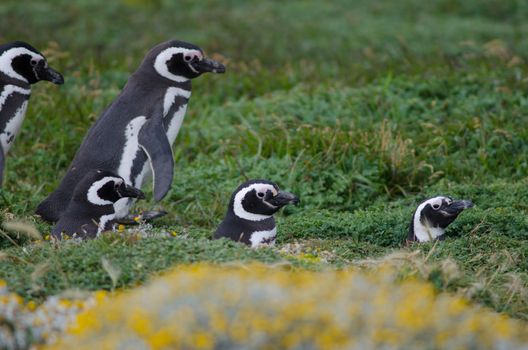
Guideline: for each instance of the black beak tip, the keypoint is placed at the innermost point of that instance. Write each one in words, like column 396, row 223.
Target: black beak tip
column 59, row 80
column 140, row 195
column 220, row 69
column 296, row 201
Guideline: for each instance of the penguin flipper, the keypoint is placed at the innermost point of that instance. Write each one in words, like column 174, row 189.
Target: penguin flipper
column 153, row 141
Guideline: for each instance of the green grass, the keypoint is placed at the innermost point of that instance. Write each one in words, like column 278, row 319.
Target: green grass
column 362, row 109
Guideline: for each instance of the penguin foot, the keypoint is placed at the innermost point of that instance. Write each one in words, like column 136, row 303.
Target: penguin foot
column 146, row 216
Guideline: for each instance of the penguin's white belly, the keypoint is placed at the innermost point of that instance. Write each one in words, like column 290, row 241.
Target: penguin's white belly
column 259, row 237
column 175, row 124
column 177, row 118
column 12, row 127
column 131, row 148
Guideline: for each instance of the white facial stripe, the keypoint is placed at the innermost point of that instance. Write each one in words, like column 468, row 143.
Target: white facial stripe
column 131, row 148
column 7, row 57
column 93, row 197
column 170, row 95
column 425, row 233
column 160, row 64
column 259, row 236
column 239, row 209
column 192, row 68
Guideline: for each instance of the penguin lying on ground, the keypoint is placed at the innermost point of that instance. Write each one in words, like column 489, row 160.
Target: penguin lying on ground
column 432, row 217
column 91, row 209
column 135, row 133
column 20, row 66
column 249, row 218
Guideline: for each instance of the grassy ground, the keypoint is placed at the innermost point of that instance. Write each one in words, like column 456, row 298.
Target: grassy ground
column 362, row 109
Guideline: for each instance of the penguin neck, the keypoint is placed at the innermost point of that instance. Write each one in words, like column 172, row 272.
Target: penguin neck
column 80, row 206
column 7, row 80
column 267, row 221
column 147, row 78
column 422, row 231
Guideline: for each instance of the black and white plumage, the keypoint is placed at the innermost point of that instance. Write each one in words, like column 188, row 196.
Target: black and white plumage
column 91, row 209
column 432, row 217
column 20, row 66
column 134, row 135
column 249, row 218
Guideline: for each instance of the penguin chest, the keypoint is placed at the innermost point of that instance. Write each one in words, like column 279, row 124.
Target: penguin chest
column 174, row 108
column 13, row 106
column 266, row 237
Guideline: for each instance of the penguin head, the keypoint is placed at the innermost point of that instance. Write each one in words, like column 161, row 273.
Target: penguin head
column 257, row 200
column 432, row 217
column 104, row 188
column 21, row 61
column 180, row 61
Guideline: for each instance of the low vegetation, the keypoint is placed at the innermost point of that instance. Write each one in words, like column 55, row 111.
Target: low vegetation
column 361, row 109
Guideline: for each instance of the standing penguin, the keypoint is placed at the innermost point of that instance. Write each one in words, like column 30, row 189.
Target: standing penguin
column 249, row 218
column 432, row 217
column 20, row 66
column 91, row 209
column 135, row 133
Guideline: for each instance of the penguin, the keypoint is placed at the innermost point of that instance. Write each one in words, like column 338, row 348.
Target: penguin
column 134, row 135
column 21, row 65
column 432, row 217
column 91, row 209
column 249, row 218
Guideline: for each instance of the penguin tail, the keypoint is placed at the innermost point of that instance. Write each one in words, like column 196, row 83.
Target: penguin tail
column 50, row 209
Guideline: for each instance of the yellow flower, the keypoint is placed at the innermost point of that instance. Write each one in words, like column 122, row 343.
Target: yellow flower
column 161, row 339
column 47, row 237
column 203, row 340
column 100, row 295
column 31, row 305
column 174, row 233
column 121, row 228
column 199, row 306
column 137, row 218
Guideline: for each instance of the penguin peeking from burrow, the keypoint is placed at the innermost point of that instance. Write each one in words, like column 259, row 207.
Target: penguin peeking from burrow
column 133, row 137
column 92, row 207
column 21, row 65
column 249, row 218
column 432, row 217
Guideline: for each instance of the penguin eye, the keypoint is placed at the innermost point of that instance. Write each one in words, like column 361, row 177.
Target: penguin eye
column 187, row 58
column 436, row 206
column 33, row 62
column 260, row 194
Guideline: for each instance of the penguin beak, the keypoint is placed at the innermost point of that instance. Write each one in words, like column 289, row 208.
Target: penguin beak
column 458, row 206
column 283, row 198
column 127, row 191
column 209, row 65
column 49, row 74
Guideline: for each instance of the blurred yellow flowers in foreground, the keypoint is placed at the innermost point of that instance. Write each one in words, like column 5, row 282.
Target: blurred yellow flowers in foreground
column 254, row 307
